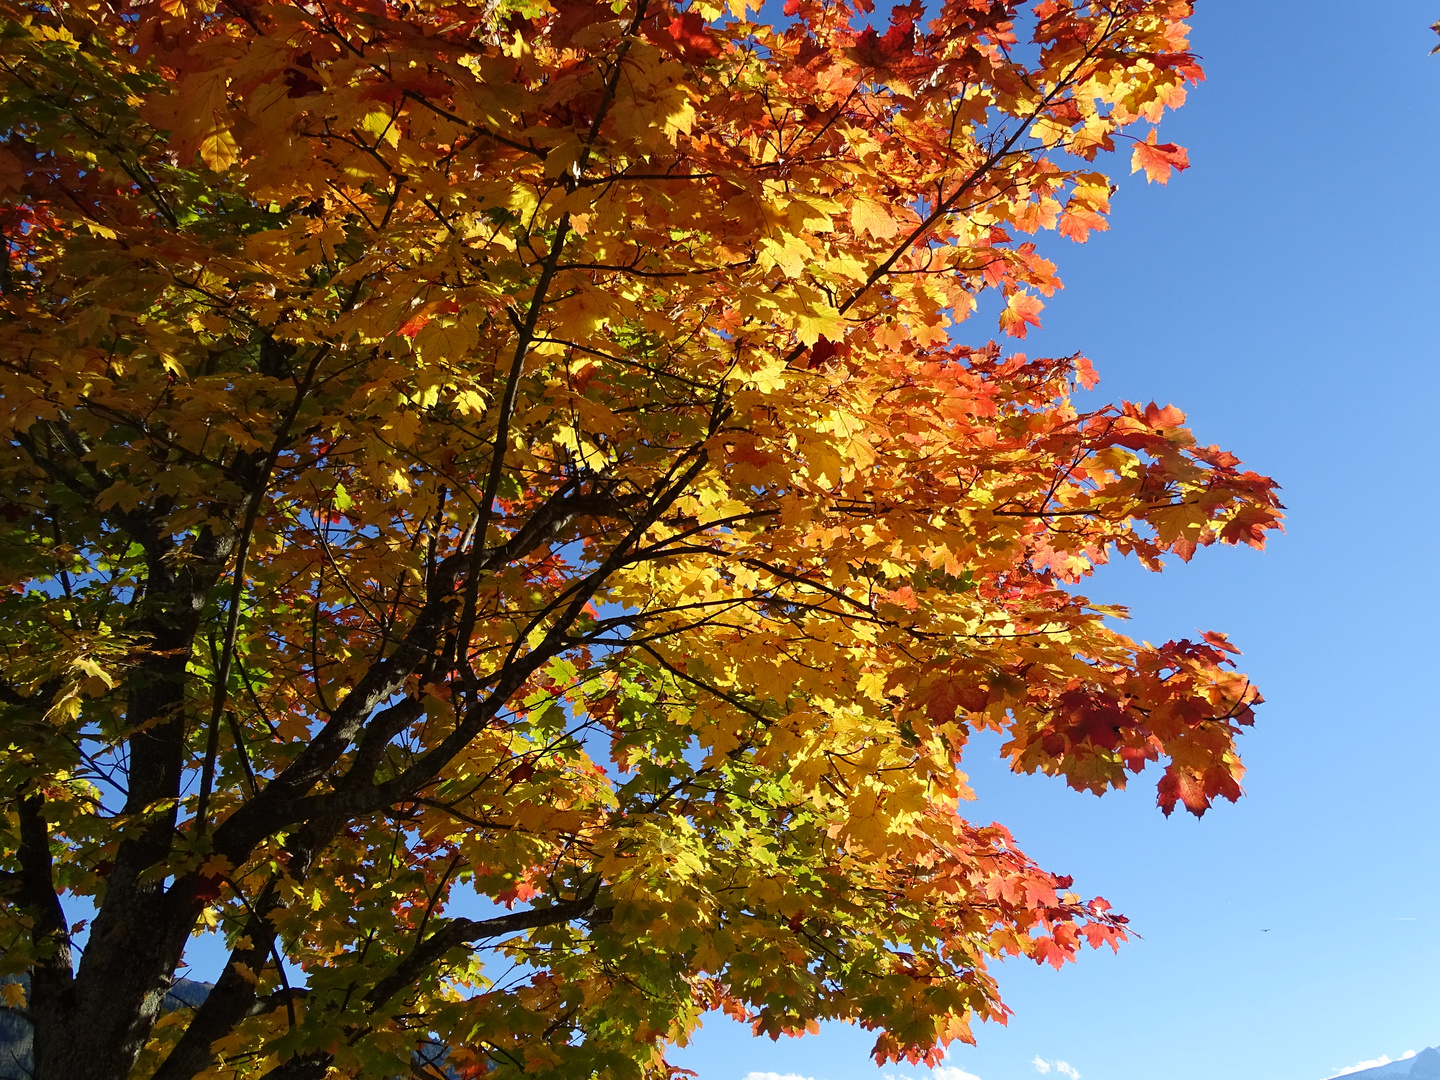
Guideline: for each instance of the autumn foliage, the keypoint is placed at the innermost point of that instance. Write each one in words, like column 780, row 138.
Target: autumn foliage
column 496, row 517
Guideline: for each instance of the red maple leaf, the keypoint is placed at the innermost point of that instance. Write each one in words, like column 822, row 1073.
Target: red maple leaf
column 522, row 772
column 945, row 698
column 1248, row 526
column 1181, row 785
column 685, row 36
column 413, row 325
column 207, row 888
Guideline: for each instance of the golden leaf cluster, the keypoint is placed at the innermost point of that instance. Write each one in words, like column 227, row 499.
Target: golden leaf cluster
column 498, row 525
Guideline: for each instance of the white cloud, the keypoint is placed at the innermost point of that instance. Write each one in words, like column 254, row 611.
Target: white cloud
column 939, row 1072
column 1064, row 1068
column 1361, row 1066
column 1374, row 1063
column 775, row 1076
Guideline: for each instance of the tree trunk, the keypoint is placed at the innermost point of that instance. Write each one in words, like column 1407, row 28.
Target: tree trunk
column 92, row 1025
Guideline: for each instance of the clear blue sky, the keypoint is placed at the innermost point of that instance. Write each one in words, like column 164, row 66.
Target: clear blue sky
column 1285, row 293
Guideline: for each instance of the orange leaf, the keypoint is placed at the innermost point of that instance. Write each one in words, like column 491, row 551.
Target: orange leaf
column 1158, row 159
column 1021, row 309
column 413, row 325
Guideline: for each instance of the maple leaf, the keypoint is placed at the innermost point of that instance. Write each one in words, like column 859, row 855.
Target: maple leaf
column 875, row 50
column 873, row 217
column 1079, row 222
column 300, row 84
column 947, row 698
column 1249, row 525
column 542, row 446
column 1180, row 785
column 686, row 36
column 1163, row 418
column 823, row 351
column 413, row 325
column 1220, row 641
column 1158, row 159
column 1022, row 310
column 573, row 17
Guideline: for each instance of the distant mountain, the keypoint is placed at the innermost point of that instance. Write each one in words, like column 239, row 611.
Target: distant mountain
column 16, row 1054
column 1423, row 1066
column 15, row 1051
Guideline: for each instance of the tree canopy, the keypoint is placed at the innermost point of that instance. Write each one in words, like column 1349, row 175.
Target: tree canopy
column 498, row 524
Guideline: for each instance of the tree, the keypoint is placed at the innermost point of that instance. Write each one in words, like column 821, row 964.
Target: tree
column 497, row 523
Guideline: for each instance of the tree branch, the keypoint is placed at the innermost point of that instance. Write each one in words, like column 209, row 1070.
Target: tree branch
column 464, row 931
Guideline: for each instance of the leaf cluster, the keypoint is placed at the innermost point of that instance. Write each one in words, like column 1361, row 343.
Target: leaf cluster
column 498, row 527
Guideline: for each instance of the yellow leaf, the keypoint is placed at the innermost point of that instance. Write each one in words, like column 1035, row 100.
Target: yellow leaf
column 873, row 217
column 470, row 403
column 246, row 972
column 122, row 494
column 872, row 685
column 788, row 252
column 95, row 671
column 383, row 126
column 447, row 338
column 219, row 150
column 818, row 318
